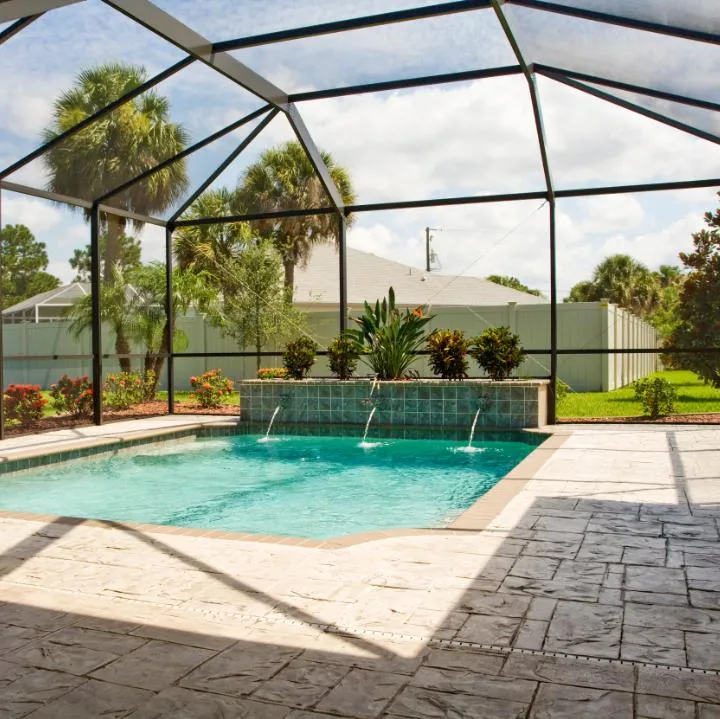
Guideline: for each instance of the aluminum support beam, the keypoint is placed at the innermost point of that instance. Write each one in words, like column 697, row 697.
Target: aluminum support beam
column 627, row 87
column 181, row 155
column 651, row 114
column 552, row 390
column 223, row 166
column 356, row 23
column 96, row 325
column 183, row 37
column 303, row 136
column 342, row 261
column 16, row 27
column 620, row 20
column 387, row 85
column 2, row 332
column 170, row 319
column 180, row 35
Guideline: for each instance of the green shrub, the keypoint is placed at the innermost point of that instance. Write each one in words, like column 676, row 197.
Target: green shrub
column 498, row 351
column 126, row 389
column 24, row 403
column 73, row 396
column 272, row 373
column 299, row 357
column 343, row 356
column 211, row 388
column 448, row 353
column 657, row 396
column 388, row 338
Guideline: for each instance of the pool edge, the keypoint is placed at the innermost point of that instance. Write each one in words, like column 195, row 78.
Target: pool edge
column 474, row 519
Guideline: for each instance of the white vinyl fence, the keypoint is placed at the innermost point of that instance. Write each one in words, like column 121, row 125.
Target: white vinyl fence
column 584, row 325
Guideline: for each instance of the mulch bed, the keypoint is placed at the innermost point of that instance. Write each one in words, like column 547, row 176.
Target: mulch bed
column 156, row 408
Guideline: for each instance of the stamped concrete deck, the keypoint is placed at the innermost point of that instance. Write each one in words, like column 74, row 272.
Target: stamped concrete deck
column 594, row 593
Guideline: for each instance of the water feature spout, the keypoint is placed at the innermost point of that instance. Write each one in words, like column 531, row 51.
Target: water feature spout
column 272, row 419
column 367, row 424
column 472, row 429
column 374, row 384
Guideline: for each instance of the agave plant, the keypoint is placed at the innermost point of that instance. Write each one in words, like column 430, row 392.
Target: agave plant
column 388, row 338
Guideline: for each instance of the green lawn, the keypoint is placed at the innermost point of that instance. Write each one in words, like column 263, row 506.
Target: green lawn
column 693, row 397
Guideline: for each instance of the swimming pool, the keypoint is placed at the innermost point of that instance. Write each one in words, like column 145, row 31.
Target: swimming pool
column 315, row 487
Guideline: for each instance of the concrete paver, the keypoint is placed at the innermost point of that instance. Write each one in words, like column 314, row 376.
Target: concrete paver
column 593, row 592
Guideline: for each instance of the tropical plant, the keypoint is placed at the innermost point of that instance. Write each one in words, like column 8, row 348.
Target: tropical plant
column 698, row 310
column 211, row 388
column 448, row 354
column 73, row 396
column 23, row 265
column 254, row 310
column 272, row 373
column 388, row 338
column 497, row 350
column 343, row 356
column 657, row 396
column 285, row 179
column 624, row 282
column 23, row 403
column 133, row 138
column 299, row 356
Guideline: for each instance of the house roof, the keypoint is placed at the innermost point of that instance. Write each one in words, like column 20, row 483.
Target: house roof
column 370, row 276
column 62, row 296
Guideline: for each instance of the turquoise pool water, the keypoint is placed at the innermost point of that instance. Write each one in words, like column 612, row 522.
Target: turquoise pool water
column 315, row 487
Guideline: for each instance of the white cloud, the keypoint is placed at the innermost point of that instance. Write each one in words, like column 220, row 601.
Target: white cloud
column 40, row 216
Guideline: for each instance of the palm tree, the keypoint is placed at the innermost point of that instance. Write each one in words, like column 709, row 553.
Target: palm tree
column 627, row 283
column 624, row 282
column 208, row 248
column 114, row 149
column 285, row 179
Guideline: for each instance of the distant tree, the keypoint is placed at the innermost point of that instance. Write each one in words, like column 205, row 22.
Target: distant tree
column 624, row 282
column 699, row 305
column 665, row 318
column 24, row 265
column 285, row 179
column 255, row 310
column 514, row 283
column 128, row 249
column 584, row 291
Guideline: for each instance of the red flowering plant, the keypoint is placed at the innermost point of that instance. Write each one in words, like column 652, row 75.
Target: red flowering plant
column 73, row 396
column 24, row 403
column 211, row 388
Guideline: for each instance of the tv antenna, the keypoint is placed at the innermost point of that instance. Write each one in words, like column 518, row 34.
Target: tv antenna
column 430, row 255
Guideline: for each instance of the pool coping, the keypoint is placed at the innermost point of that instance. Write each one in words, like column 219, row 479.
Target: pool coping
column 474, row 519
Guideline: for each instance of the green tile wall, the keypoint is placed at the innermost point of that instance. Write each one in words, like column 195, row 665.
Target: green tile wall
column 423, row 403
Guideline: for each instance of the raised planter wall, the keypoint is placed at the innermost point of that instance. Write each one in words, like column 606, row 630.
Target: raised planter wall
column 512, row 404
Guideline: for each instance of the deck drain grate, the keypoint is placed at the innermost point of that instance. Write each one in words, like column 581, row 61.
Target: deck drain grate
column 349, row 630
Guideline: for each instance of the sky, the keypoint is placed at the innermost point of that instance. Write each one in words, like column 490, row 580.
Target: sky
column 469, row 138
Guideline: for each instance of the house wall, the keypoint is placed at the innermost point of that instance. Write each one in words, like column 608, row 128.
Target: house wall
column 586, row 325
